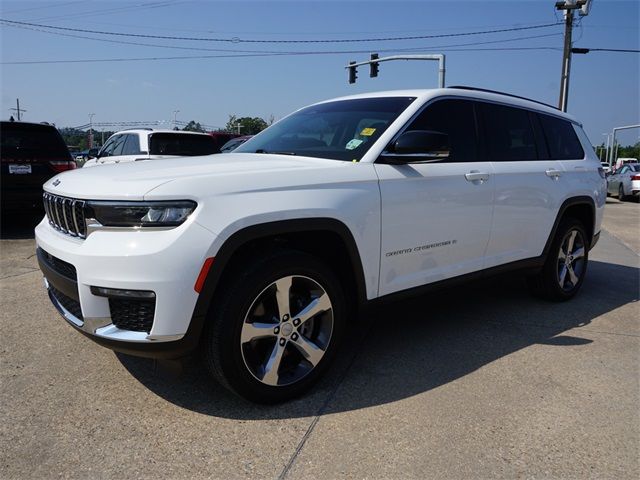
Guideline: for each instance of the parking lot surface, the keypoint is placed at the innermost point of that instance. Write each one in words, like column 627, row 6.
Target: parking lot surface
column 482, row 381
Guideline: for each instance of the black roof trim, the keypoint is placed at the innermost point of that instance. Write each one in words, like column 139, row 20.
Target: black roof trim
column 476, row 89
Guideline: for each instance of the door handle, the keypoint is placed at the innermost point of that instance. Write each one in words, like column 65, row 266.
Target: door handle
column 476, row 176
column 553, row 173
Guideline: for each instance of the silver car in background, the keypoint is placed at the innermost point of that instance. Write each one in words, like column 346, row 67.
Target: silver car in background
column 625, row 182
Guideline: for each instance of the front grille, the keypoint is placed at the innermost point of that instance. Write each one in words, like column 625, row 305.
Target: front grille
column 132, row 314
column 71, row 305
column 63, row 268
column 65, row 214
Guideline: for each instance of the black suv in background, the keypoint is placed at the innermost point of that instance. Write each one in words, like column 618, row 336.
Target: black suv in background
column 30, row 154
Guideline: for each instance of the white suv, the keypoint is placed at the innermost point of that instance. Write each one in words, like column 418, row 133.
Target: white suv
column 256, row 257
column 149, row 144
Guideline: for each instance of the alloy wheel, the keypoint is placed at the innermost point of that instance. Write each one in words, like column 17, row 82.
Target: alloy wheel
column 571, row 260
column 286, row 330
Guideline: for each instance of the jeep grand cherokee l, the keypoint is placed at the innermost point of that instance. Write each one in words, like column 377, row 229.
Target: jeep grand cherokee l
column 255, row 257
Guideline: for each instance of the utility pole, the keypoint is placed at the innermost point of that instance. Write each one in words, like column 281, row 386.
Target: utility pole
column 568, row 6
column 239, row 126
column 17, row 109
column 91, row 130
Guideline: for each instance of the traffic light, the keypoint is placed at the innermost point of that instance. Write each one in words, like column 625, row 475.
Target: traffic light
column 374, row 66
column 353, row 72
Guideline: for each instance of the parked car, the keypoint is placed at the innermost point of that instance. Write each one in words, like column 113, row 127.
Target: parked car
column 234, row 143
column 30, row 154
column 620, row 162
column 262, row 261
column 625, row 182
column 221, row 139
column 606, row 167
column 87, row 154
column 147, row 144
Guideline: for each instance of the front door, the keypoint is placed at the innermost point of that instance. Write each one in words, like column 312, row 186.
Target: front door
column 436, row 217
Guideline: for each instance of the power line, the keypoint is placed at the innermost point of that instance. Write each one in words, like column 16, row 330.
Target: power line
column 241, row 40
column 627, row 50
column 42, row 7
column 176, row 47
column 109, row 11
column 200, row 57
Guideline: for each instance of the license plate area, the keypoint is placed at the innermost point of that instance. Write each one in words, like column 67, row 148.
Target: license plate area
column 19, row 169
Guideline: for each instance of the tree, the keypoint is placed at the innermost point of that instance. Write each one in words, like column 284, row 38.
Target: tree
column 194, row 126
column 248, row 125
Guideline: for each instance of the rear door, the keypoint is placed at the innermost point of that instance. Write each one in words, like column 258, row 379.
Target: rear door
column 530, row 184
column 436, row 217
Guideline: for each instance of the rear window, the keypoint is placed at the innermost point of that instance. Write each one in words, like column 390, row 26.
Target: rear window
column 41, row 141
column 561, row 138
column 181, row 144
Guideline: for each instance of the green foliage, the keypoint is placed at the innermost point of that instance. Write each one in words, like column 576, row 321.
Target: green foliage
column 248, row 125
column 630, row 151
column 79, row 139
column 194, row 126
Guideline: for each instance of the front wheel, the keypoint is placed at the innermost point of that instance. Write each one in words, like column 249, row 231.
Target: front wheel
column 275, row 327
column 566, row 264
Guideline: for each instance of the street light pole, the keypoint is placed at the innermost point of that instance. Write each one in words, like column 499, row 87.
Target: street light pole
column 613, row 154
column 175, row 120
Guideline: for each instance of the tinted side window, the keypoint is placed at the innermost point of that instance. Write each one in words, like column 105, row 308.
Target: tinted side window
column 119, row 144
column 131, row 145
column 455, row 118
column 107, row 149
column 509, row 133
column 561, row 138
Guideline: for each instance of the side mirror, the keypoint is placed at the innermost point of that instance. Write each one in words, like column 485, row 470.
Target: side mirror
column 417, row 146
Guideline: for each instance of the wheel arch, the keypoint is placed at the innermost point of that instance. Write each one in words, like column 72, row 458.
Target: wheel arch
column 327, row 238
column 583, row 208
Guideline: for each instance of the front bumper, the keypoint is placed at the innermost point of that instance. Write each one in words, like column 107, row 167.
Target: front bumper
column 166, row 263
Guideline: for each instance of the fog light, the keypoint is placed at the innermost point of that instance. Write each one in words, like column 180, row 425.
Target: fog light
column 119, row 293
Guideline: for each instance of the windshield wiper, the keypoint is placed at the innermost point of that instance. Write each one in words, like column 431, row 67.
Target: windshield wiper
column 260, row 150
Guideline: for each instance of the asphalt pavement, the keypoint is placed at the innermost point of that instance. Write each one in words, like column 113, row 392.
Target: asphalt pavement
column 482, row 381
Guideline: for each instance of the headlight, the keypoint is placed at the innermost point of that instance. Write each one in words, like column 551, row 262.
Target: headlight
column 140, row 214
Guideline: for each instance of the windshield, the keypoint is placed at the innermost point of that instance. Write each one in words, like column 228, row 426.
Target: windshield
column 340, row 130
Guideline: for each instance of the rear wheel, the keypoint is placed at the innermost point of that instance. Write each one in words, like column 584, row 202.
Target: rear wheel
column 275, row 327
column 566, row 264
column 621, row 193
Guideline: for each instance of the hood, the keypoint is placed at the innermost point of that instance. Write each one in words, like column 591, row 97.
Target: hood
column 131, row 181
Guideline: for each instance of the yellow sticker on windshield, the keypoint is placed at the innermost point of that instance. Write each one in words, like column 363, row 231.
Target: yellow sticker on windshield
column 367, row 132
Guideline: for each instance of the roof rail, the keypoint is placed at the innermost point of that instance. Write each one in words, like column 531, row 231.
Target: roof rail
column 136, row 128
column 476, row 89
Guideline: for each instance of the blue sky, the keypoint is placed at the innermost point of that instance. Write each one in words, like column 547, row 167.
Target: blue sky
column 604, row 90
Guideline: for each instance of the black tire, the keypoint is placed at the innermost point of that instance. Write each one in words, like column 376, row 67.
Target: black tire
column 550, row 283
column 246, row 293
column 621, row 195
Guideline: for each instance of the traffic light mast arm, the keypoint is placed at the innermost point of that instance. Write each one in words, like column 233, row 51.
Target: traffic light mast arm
column 436, row 56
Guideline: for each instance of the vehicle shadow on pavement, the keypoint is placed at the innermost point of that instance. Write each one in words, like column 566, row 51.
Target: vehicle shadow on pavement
column 410, row 347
